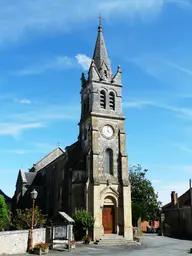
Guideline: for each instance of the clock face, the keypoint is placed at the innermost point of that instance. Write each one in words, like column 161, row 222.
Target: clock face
column 108, row 131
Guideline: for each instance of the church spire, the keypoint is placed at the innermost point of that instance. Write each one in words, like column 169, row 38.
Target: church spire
column 100, row 55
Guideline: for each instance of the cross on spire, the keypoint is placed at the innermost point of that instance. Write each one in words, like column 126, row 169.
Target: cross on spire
column 100, row 20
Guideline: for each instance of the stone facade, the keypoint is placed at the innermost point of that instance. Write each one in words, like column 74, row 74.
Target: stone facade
column 93, row 172
column 101, row 96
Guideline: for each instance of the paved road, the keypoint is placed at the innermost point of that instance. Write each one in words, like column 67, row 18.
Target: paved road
column 151, row 245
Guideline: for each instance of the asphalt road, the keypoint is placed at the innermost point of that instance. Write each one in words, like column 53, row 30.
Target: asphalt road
column 151, row 245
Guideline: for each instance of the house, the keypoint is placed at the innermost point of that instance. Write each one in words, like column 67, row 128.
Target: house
column 92, row 173
column 145, row 224
column 178, row 215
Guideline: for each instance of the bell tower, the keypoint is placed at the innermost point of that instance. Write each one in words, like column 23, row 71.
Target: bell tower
column 103, row 141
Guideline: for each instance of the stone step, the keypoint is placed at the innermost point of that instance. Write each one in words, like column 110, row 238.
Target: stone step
column 117, row 239
column 112, row 242
column 112, row 239
column 106, row 237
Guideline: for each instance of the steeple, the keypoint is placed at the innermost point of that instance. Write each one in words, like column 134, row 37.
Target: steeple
column 100, row 56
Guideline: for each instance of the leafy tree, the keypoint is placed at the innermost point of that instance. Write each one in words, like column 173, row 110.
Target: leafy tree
column 4, row 213
column 145, row 203
column 136, row 213
column 22, row 219
column 83, row 222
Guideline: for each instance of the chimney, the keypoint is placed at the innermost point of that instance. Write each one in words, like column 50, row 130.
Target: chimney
column 174, row 198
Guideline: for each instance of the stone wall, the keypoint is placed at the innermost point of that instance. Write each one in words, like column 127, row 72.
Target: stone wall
column 13, row 242
column 178, row 222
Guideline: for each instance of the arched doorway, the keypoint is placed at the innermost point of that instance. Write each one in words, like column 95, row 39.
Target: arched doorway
column 108, row 215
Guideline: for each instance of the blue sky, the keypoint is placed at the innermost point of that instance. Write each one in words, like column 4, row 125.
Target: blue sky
column 44, row 47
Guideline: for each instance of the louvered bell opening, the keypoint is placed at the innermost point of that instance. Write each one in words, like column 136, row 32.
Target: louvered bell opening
column 102, row 99
column 111, row 101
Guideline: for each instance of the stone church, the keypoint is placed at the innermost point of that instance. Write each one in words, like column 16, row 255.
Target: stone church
column 92, row 173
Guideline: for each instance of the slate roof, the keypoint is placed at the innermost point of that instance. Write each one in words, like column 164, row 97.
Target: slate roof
column 7, row 198
column 76, row 158
column 30, row 177
column 47, row 159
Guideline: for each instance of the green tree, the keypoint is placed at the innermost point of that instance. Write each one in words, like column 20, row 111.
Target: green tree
column 22, row 219
column 136, row 213
column 83, row 222
column 145, row 203
column 4, row 214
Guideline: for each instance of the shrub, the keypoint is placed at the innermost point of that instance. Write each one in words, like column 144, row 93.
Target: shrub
column 22, row 219
column 42, row 246
column 86, row 239
column 83, row 222
column 4, row 214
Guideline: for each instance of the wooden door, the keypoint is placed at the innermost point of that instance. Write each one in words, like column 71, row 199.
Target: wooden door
column 108, row 219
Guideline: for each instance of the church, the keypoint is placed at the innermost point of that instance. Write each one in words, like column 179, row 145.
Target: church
column 92, row 173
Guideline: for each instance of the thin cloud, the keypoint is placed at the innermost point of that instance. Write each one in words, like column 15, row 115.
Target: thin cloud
column 83, row 60
column 48, row 113
column 182, row 69
column 161, row 69
column 23, row 101
column 185, row 95
column 14, row 151
column 182, row 3
column 183, row 148
column 15, row 129
column 182, row 111
column 38, row 116
column 151, row 65
column 47, row 16
column 24, row 151
column 45, row 147
column 137, row 104
column 57, row 63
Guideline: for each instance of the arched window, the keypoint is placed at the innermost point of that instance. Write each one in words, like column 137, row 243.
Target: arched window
column 111, row 101
column 102, row 99
column 109, row 161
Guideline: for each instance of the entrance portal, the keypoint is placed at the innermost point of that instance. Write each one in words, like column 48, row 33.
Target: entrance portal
column 108, row 219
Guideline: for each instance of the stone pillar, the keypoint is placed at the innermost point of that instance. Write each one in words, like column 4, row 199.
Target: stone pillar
column 128, row 229
column 97, row 232
column 117, row 219
column 102, row 228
